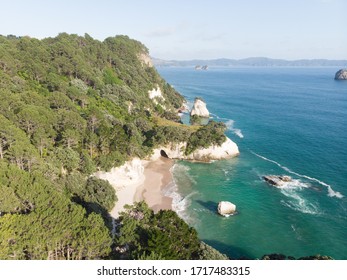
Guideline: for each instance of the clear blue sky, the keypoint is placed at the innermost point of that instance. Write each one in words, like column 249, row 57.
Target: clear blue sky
column 188, row 29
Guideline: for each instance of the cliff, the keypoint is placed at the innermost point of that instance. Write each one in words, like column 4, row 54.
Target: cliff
column 227, row 150
column 341, row 74
column 199, row 109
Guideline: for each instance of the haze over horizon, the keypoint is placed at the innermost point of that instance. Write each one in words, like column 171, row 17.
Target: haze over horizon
column 186, row 30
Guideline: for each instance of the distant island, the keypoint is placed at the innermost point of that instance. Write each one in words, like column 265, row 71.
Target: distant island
column 250, row 62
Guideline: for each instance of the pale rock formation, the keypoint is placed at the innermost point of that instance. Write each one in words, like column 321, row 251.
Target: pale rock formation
column 227, row 150
column 199, row 109
column 226, row 208
column 341, row 74
column 125, row 180
column 129, row 173
column 145, row 59
column 156, row 95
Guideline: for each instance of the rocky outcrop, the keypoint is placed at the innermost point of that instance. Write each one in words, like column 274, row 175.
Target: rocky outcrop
column 145, row 59
column 155, row 92
column 277, row 181
column 341, row 74
column 227, row 150
column 157, row 96
column 199, row 109
column 226, row 208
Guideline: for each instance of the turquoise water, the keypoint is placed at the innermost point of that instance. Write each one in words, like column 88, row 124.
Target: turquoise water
column 290, row 121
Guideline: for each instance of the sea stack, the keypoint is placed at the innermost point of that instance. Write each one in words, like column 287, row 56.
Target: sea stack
column 226, row 208
column 199, row 109
column 341, row 74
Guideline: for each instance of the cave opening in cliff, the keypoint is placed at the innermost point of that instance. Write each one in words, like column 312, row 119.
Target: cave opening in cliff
column 163, row 154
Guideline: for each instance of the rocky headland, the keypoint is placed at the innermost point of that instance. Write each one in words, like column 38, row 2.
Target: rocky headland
column 227, row 150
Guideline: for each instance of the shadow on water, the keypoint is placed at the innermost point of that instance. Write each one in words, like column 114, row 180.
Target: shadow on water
column 233, row 252
column 209, row 205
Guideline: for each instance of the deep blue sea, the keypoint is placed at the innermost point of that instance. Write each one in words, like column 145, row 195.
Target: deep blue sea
column 286, row 121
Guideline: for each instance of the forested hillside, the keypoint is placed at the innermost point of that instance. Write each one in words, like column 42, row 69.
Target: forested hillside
column 69, row 106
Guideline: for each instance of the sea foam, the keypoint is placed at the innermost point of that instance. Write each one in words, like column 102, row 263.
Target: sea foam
column 331, row 192
column 230, row 125
column 236, row 131
column 180, row 202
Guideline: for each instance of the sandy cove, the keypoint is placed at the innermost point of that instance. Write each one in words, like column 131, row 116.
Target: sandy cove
column 139, row 180
column 157, row 176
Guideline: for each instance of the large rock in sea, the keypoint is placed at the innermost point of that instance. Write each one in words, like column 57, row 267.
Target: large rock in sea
column 226, row 208
column 341, row 74
column 277, row 181
column 199, row 109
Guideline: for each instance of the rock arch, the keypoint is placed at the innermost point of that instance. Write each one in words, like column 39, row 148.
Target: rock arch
column 163, row 154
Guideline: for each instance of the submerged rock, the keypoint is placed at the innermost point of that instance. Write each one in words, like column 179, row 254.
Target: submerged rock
column 199, row 109
column 276, row 180
column 226, row 208
column 341, row 74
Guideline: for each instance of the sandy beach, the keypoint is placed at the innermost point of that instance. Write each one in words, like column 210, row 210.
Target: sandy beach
column 139, row 180
column 157, row 176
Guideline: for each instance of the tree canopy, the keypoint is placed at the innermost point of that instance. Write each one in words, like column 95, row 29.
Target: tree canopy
column 69, row 106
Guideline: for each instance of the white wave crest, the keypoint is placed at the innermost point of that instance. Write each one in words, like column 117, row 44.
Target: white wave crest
column 236, row 131
column 180, row 203
column 298, row 203
column 331, row 192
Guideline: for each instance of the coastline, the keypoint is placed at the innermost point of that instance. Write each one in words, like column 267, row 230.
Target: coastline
column 157, row 176
column 139, row 180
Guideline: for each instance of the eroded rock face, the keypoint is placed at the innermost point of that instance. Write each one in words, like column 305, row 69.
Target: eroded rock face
column 341, row 74
column 199, row 109
column 227, row 150
column 226, row 208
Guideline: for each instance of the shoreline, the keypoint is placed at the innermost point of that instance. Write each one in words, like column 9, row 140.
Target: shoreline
column 157, row 177
column 139, row 180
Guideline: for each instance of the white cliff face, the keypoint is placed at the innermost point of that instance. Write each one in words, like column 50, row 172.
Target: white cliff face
column 145, row 59
column 129, row 173
column 156, row 95
column 227, row 150
column 199, row 109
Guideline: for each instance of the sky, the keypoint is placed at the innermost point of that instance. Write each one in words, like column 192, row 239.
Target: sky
column 193, row 29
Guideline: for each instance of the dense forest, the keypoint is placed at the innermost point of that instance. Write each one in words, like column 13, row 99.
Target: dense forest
column 70, row 106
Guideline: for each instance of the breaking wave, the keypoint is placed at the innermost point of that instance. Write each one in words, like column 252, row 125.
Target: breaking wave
column 236, row 131
column 230, row 125
column 331, row 192
column 180, row 202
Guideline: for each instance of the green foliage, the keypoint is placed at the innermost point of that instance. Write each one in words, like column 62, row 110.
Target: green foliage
column 100, row 192
column 43, row 223
column 163, row 235
column 69, row 106
column 210, row 134
column 209, row 253
column 195, row 120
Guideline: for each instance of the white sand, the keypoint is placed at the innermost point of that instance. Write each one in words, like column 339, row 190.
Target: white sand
column 139, row 180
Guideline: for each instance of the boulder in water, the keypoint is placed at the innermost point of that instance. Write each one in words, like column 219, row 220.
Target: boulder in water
column 199, row 109
column 226, row 208
column 341, row 74
column 276, row 180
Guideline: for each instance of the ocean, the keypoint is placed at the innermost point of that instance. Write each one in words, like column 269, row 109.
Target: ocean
column 286, row 121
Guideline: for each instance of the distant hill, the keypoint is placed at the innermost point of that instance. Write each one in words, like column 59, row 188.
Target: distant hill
column 250, row 62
